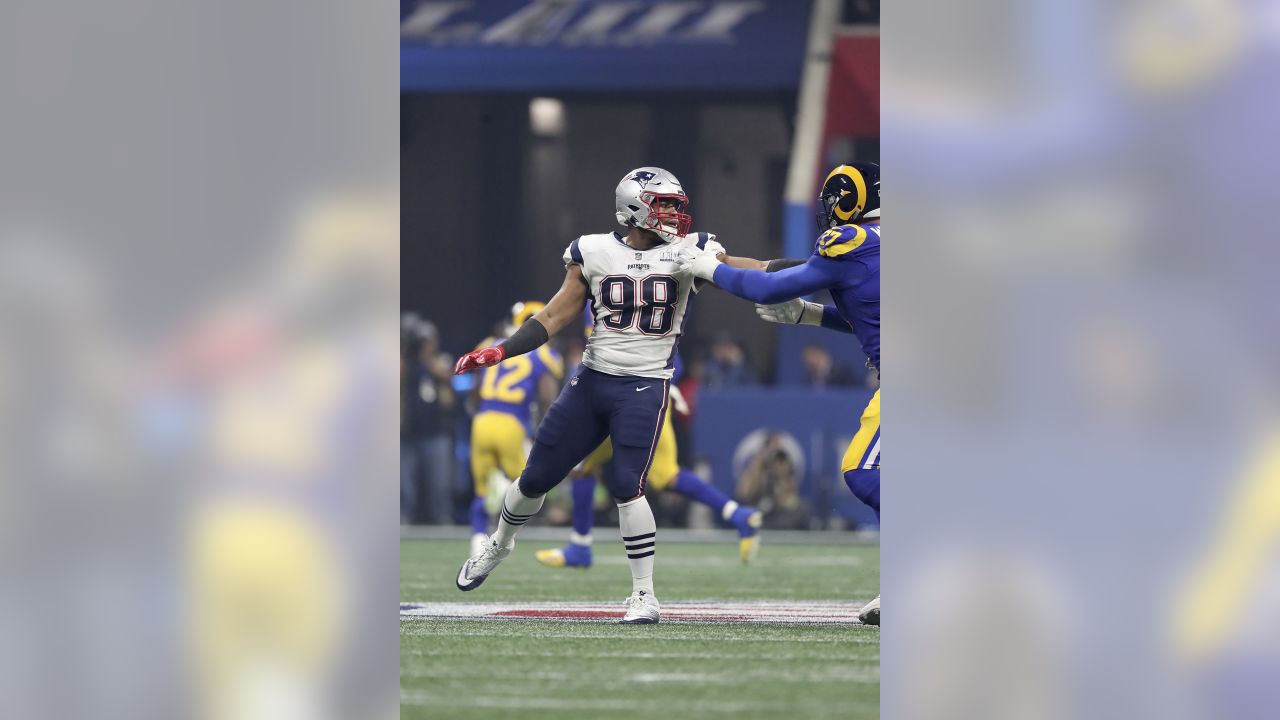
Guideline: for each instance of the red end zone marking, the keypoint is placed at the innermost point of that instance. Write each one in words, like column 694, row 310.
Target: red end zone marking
column 817, row 613
column 611, row 615
column 558, row 614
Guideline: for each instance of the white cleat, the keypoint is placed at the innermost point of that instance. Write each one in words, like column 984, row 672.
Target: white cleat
column 870, row 613
column 642, row 609
column 477, row 543
column 478, row 566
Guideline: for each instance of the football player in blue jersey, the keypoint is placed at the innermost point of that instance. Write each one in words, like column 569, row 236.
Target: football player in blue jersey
column 502, row 427
column 845, row 261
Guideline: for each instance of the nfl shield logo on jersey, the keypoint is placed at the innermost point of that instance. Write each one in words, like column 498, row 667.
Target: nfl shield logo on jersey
column 638, row 256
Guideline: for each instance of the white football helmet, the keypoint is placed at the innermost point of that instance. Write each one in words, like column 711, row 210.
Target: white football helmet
column 639, row 195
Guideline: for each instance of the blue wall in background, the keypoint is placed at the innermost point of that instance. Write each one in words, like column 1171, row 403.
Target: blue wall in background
column 821, row 424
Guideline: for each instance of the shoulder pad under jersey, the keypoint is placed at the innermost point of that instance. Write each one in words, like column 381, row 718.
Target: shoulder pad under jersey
column 842, row 240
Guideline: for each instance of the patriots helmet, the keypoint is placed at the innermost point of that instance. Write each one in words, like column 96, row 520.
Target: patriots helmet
column 652, row 199
column 850, row 193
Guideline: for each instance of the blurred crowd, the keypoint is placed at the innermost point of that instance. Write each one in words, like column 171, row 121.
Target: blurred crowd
column 437, row 407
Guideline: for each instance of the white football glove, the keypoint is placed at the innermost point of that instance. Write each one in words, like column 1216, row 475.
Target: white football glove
column 677, row 400
column 703, row 264
column 791, row 312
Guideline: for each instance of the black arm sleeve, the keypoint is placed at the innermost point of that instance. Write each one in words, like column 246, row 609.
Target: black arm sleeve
column 782, row 264
column 531, row 336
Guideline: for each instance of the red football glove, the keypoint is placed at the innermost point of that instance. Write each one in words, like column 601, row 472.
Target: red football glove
column 484, row 357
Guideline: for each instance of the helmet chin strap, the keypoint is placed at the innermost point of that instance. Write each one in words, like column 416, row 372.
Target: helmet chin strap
column 667, row 235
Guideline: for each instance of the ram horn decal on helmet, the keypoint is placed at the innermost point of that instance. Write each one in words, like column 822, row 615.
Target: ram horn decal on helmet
column 849, row 194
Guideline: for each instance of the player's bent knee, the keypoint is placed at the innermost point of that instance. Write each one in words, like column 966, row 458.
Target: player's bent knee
column 865, row 485
column 535, row 482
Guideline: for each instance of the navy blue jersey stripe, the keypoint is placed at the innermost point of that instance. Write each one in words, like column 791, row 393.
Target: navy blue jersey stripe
column 575, row 253
column 702, row 240
column 675, row 346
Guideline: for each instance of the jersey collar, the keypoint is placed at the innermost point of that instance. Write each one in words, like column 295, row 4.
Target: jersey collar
column 622, row 239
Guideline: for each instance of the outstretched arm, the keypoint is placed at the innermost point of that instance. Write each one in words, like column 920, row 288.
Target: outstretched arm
column 831, row 318
column 537, row 330
column 713, row 245
column 769, row 288
column 742, row 263
column 803, row 312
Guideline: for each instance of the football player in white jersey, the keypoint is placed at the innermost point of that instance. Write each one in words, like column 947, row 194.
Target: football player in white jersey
column 640, row 298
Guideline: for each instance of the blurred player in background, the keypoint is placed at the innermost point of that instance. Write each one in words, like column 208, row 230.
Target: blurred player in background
column 291, row 397
column 845, row 261
column 504, row 420
column 665, row 474
column 427, row 405
column 640, row 296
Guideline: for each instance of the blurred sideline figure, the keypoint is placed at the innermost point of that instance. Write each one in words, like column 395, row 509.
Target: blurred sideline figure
column 846, row 261
column 771, row 482
column 820, row 370
column 427, row 404
column 728, row 367
column 298, row 401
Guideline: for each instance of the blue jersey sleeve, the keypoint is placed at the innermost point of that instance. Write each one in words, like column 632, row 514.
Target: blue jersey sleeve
column 547, row 360
column 768, row 288
column 833, row 320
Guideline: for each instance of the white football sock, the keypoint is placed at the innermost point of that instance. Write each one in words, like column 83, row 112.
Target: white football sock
column 577, row 539
column 728, row 510
column 516, row 511
column 640, row 537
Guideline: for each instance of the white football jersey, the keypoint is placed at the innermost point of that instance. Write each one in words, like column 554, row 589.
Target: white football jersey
column 639, row 300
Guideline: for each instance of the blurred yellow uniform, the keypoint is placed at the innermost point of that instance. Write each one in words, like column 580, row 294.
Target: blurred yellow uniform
column 498, row 442
column 500, row 431
column 864, row 451
column 662, row 472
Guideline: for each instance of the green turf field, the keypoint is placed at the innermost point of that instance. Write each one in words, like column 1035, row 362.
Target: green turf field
column 534, row 669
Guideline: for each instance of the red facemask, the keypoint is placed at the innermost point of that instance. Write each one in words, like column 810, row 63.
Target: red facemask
column 665, row 218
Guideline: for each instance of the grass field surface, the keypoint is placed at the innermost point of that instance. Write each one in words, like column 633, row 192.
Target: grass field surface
column 582, row 669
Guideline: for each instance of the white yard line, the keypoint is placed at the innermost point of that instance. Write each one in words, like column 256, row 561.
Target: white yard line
column 719, row 613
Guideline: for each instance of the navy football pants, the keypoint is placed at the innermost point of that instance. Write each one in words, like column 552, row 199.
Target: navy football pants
column 593, row 406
